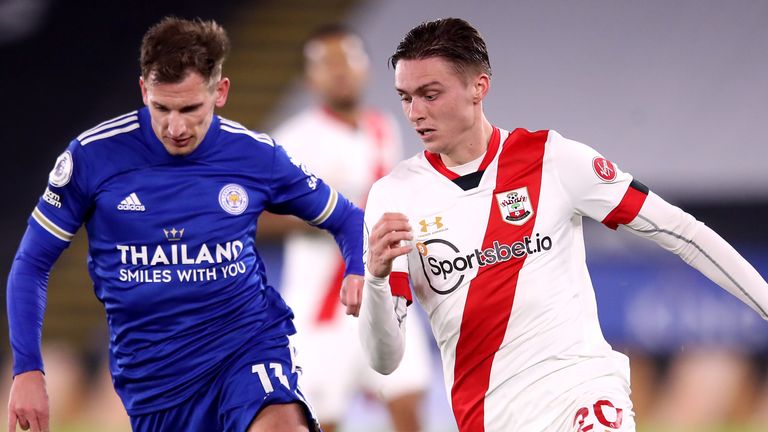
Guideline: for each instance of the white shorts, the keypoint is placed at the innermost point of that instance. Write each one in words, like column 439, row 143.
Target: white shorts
column 589, row 396
column 334, row 368
column 600, row 405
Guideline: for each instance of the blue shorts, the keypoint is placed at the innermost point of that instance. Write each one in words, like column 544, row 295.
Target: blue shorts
column 262, row 376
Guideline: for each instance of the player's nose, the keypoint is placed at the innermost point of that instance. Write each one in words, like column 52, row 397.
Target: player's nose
column 176, row 126
column 415, row 110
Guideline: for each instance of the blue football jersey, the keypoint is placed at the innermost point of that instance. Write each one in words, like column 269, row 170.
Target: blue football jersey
column 171, row 246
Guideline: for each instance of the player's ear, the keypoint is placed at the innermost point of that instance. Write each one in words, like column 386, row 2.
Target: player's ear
column 222, row 91
column 143, row 91
column 480, row 87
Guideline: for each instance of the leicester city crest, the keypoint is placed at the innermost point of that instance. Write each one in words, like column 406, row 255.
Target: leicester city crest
column 515, row 206
column 233, row 199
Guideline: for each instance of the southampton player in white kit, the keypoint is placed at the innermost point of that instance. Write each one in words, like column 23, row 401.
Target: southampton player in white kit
column 487, row 224
column 350, row 147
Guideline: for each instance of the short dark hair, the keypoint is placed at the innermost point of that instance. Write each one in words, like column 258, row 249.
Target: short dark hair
column 173, row 46
column 450, row 38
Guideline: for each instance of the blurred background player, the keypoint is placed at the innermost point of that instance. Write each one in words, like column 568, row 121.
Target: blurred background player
column 350, row 146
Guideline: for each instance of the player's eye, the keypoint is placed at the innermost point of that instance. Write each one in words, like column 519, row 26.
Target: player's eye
column 430, row 97
column 190, row 109
column 404, row 97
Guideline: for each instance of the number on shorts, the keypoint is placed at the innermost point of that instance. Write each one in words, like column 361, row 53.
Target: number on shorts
column 264, row 377
column 583, row 413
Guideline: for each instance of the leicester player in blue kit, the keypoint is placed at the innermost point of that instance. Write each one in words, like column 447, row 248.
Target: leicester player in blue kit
column 170, row 195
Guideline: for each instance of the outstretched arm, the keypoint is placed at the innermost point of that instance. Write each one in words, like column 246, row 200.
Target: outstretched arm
column 27, row 282
column 382, row 316
column 298, row 192
column 702, row 248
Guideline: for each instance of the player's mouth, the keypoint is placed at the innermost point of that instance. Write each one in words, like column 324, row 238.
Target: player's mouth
column 180, row 142
column 425, row 133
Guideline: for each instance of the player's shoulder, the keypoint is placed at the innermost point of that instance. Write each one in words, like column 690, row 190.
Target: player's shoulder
column 235, row 133
column 566, row 149
column 110, row 133
column 556, row 144
column 521, row 136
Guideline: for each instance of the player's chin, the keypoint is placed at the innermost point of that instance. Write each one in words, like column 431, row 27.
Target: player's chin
column 432, row 144
column 176, row 149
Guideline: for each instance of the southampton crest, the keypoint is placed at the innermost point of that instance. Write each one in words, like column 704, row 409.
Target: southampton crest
column 515, row 205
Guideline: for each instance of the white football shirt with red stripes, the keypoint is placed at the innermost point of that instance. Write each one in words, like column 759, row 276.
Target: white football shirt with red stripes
column 349, row 159
column 499, row 266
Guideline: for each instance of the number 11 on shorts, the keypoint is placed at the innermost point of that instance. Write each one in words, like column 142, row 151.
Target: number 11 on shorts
column 265, row 377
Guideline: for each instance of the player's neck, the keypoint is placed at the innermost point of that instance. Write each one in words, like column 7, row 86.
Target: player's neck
column 470, row 146
column 350, row 116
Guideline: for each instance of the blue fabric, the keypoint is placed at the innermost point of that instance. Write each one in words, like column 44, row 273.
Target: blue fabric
column 235, row 395
column 26, row 296
column 171, row 249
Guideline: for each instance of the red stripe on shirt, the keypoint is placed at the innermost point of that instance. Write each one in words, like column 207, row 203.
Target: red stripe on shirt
column 492, row 292
column 376, row 123
column 331, row 301
column 627, row 209
column 437, row 163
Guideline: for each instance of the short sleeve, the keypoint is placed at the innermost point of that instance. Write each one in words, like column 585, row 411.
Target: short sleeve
column 596, row 186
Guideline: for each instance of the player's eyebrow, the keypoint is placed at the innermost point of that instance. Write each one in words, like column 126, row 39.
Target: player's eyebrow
column 421, row 88
column 186, row 108
column 190, row 108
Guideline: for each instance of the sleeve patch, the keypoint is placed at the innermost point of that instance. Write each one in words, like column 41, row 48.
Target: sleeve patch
column 604, row 169
column 62, row 171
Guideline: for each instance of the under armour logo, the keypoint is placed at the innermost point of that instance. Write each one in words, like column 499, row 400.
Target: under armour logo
column 437, row 224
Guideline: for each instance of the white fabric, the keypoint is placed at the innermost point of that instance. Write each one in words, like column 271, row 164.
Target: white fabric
column 381, row 333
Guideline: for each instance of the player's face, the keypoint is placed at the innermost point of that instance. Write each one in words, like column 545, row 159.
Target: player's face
column 337, row 70
column 182, row 112
column 442, row 105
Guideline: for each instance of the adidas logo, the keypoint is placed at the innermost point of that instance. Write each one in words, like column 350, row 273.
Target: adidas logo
column 131, row 203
